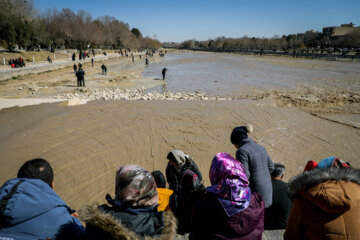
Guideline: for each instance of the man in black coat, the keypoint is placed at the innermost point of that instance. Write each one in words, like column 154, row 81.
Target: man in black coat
column 277, row 214
column 163, row 72
column 80, row 77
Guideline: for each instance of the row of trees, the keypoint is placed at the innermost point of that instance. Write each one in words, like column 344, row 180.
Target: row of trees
column 21, row 24
column 309, row 39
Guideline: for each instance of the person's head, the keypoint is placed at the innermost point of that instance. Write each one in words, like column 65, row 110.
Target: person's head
column 239, row 134
column 37, row 168
column 229, row 181
column 278, row 172
column 159, row 179
column 135, row 186
column 224, row 168
column 177, row 158
column 332, row 162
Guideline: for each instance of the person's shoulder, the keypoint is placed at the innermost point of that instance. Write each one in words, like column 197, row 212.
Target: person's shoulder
column 279, row 184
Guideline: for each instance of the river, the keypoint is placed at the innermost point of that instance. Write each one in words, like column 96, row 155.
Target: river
column 230, row 74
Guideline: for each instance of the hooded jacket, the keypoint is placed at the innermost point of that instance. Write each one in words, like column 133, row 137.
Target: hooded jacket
column 173, row 177
column 326, row 205
column 33, row 210
column 104, row 223
column 258, row 166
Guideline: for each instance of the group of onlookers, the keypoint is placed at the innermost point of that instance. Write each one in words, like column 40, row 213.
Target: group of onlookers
column 246, row 196
column 17, row 62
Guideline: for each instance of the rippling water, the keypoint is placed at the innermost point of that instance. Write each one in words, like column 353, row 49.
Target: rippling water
column 221, row 73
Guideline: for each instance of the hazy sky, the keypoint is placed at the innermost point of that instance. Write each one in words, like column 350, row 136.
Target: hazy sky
column 203, row 19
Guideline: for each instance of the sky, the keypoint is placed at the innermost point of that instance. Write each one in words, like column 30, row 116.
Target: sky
column 176, row 21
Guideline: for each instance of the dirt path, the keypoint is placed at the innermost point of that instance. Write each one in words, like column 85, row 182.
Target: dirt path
column 122, row 73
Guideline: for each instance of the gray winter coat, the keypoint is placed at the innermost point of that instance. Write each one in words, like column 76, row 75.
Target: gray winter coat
column 258, row 166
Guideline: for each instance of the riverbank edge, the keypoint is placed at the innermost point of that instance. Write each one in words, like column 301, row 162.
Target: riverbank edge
column 328, row 57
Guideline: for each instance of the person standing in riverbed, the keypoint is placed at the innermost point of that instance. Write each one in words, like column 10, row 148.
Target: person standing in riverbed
column 104, row 69
column 80, row 77
column 163, row 72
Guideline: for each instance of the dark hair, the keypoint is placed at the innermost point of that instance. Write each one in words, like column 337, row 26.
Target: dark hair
column 240, row 133
column 37, row 168
column 278, row 171
column 159, row 179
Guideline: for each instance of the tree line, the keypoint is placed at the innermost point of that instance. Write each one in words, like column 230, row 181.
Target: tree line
column 23, row 25
column 315, row 41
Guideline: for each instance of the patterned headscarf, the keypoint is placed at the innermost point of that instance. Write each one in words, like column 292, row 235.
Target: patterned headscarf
column 332, row 162
column 135, row 186
column 229, row 182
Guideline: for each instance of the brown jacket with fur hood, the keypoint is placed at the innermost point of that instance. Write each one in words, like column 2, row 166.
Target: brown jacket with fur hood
column 326, row 205
column 114, row 229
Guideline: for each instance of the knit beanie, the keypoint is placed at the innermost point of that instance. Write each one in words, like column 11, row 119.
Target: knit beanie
column 240, row 133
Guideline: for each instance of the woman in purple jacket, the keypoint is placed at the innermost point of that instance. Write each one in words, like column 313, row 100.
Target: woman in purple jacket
column 229, row 210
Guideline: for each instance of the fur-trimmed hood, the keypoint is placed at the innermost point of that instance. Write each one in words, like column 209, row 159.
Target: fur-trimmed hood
column 91, row 214
column 331, row 189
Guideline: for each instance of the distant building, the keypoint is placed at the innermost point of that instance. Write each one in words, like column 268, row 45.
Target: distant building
column 340, row 31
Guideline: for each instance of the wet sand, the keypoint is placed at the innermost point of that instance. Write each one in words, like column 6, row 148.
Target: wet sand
column 86, row 143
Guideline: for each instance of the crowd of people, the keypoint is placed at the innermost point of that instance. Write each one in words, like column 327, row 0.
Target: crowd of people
column 247, row 195
column 16, row 63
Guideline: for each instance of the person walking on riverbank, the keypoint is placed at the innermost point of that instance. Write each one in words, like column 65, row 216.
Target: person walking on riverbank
column 92, row 62
column 163, row 72
column 80, row 77
column 75, row 68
